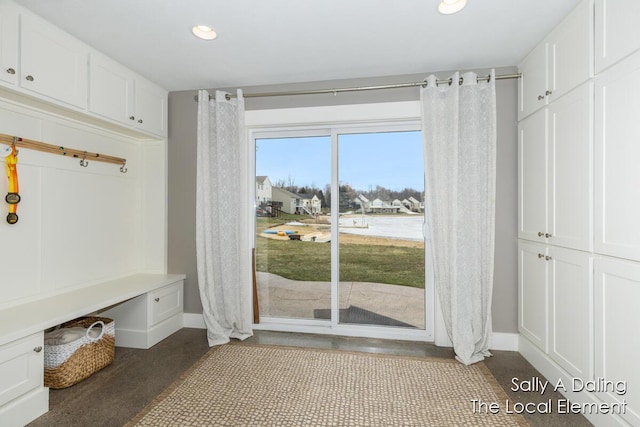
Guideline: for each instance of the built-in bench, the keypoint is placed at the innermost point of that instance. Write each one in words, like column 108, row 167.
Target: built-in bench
column 146, row 308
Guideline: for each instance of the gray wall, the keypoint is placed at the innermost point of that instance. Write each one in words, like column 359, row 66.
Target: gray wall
column 182, row 175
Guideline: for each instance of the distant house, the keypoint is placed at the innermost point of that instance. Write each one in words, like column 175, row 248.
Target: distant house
column 311, row 204
column 263, row 190
column 379, row 206
column 416, row 205
column 362, row 202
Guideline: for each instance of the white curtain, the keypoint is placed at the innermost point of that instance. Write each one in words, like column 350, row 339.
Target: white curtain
column 459, row 136
column 221, row 248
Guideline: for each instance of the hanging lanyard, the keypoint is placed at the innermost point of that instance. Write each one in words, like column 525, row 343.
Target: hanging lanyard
column 13, row 196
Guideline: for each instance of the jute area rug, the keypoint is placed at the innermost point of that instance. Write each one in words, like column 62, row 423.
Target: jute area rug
column 256, row 385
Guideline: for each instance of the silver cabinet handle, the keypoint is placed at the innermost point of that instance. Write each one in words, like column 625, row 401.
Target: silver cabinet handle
column 547, row 258
column 30, row 78
column 132, row 118
column 157, row 299
column 11, row 71
column 139, row 120
column 540, row 97
column 38, row 349
column 547, row 235
column 548, row 92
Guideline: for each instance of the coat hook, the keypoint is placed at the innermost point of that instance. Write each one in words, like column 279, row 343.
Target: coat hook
column 83, row 161
column 123, row 168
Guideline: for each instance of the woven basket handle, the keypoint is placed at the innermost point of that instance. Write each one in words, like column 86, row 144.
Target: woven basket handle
column 89, row 337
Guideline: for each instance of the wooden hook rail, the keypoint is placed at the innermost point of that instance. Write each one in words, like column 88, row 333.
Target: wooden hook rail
column 84, row 156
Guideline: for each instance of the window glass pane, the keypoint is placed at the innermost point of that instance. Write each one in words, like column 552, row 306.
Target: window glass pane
column 381, row 242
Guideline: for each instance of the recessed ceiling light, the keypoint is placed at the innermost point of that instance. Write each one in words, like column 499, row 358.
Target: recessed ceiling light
column 204, row 32
column 447, row 7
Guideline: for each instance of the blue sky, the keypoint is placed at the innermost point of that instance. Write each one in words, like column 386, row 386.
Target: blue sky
column 392, row 160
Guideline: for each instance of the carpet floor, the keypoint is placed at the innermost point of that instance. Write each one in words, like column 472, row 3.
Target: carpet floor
column 245, row 385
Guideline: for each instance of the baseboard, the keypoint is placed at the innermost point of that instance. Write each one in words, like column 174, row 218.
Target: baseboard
column 24, row 409
column 194, row 320
column 500, row 341
column 504, row 341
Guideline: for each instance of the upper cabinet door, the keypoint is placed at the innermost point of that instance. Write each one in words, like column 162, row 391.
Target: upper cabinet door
column 617, row 160
column 617, row 31
column 534, row 81
column 150, row 107
column 110, row 89
column 570, row 168
column 8, row 43
column 532, row 177
column 53, row 63
column 571, row 52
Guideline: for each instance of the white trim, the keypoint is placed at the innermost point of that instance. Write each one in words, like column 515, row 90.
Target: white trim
column 193, row 320
column 504, row 341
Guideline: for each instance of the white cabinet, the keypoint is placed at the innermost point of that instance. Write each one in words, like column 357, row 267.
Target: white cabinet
column 617, row 343
column 617, row 31
column 52, row 63
column 533, row 293
column 117, row 93
column 555, row 304
column 560, row 63
column 150, row 107
column 23, row 396
column 8, row 43
column 555, row 172
column 571, row 310
column 617, row 154
column 110, row 88
column 148, row 319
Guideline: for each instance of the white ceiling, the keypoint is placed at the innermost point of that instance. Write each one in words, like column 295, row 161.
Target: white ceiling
column 284, row 41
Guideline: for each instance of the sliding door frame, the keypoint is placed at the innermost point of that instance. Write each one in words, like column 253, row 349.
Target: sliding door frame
column 335, row 121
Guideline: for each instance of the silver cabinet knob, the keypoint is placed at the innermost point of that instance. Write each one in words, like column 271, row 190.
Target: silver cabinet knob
column 38, row 349
column 30, row 78
column 11, row 71
column 540, row 234
column 547, row 258
column 548, row 92
column 139, row 120
column 132, row 118
column 540, row 255
column 157, row 299
column 547, row 235
column 540, row 97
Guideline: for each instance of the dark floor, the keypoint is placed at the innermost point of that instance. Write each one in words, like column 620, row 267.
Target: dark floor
column 117, row 393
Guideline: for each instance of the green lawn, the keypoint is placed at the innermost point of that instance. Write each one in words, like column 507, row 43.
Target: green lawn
column 298, row 260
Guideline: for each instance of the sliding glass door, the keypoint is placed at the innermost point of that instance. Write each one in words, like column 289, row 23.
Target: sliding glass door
column 339, row 219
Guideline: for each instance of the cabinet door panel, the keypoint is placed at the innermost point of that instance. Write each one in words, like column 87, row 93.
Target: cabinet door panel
column 52, row 62
column 617, row 33
column 8, row 43
column 571, row 52
column 571, row 311
column 571, row 169
column 110, row 89
column 533, row 83
column 533, row 293
column 151, row 107
column 21, row 367
column 617, row 343
column 617, row 160
column 532, row 176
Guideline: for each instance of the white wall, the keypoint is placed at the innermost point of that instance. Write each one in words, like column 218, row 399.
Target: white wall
column 78, row 226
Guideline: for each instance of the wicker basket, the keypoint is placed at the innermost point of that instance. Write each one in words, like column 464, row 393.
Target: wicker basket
column 68, row 364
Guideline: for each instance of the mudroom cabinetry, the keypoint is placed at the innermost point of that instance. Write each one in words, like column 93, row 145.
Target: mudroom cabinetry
column 562, row 61
column 579, row 234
